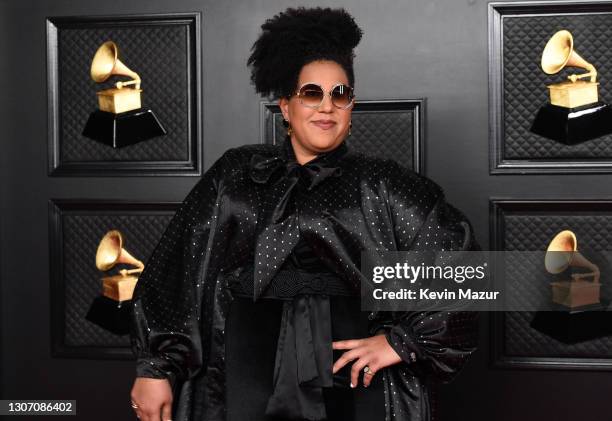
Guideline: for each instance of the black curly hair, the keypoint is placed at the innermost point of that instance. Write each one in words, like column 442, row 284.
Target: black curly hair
column 296, row 37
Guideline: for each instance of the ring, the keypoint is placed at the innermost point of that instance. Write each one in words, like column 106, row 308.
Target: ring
column 368, row 370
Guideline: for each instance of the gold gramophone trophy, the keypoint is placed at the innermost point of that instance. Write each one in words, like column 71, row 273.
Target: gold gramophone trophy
column 109, row 310
column 577, row 313
column 575, row 113
column 583, row 289
column 120, row 119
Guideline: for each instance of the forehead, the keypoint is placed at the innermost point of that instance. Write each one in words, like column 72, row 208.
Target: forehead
column 324, row 72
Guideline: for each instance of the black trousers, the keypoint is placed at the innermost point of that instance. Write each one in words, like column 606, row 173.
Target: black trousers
column 251, row 336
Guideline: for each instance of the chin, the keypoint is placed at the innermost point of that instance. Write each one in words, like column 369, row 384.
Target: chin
column 324, row 142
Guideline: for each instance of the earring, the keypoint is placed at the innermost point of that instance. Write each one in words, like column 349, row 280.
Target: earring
column 287, row 126
column 350, row 126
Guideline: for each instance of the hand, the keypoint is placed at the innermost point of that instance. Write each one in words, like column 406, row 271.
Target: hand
column 375, row 352
column 154, row 399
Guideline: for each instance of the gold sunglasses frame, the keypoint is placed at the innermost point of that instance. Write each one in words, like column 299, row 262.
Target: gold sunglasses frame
column 314, row 107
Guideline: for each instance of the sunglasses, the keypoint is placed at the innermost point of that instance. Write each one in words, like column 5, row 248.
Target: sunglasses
column 311, row 95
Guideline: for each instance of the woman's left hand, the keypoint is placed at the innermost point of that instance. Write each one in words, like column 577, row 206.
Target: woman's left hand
column 374, row 352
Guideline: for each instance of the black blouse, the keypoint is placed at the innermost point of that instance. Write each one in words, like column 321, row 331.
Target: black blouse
column 299, row 326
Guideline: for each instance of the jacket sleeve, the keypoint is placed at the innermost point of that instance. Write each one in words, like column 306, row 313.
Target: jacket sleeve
column 433, row 342
column 164, row 325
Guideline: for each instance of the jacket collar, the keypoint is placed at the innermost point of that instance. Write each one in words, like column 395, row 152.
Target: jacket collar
column 324, row 159
column 316, row 170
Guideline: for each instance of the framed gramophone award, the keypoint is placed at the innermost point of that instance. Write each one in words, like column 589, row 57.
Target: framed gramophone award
column 575, row 112
column 120, row 119
column 97, row 250
column 124, row 95
column 550, row 87
column 111, row 309
column 564, row 275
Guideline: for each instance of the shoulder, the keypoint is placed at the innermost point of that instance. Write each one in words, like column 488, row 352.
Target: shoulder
column 238, row 158
column 245, row 152
column 395, row 176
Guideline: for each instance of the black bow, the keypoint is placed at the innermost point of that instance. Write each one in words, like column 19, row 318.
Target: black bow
column 304, row 359
column 278, row 219
column 262, row 168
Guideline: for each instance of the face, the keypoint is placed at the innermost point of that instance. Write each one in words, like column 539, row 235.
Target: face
column 321, row 129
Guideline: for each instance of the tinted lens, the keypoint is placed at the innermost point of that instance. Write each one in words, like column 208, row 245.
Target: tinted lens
column 342, row 96
column 311, row 95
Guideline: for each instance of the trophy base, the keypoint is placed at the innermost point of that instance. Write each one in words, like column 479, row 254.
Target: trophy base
column 573, row 125
column 111, row 315
column 575, row 325
column 123, row 129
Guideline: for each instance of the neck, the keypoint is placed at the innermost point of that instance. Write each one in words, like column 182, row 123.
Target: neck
column 302, row 155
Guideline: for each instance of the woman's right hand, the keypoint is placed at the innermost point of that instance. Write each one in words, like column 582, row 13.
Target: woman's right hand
column 153, row 398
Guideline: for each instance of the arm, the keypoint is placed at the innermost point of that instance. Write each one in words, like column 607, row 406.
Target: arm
column 433, row 342
column 165, row 332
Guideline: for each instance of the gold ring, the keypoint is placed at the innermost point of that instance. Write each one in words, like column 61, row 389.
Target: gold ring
column 368, row 370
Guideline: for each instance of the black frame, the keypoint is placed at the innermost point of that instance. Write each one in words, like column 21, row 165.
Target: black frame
column 57, row 208
column 190, row 167
column 498, row 164
column 269, row 109
column 498, row 359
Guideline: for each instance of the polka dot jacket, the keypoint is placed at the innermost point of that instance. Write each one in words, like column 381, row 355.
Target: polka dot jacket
column 248, row 211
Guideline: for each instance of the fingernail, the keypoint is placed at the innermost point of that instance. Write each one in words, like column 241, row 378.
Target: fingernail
column 352, row 385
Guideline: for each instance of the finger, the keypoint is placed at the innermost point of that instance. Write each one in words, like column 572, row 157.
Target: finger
column 137, row 410
column 141, row 415
column 356, row 369
column 151, row 414
column 367, row 377
column 144, row 416
column 347, row 344
column 167, row 411
column 345, row 358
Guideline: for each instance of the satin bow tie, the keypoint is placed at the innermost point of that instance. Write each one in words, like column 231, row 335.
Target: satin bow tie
column 263, row 167
column 277, row 221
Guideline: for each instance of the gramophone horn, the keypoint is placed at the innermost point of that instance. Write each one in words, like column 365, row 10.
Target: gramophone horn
column 106, row 63
column 562, row 252
column 559, row 53
column 111, row 251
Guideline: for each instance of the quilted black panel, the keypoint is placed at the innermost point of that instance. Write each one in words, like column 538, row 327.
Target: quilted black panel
column 524, row 82
column 388, row 134
column 385, row 129
column 533, row 230
column 82, row 231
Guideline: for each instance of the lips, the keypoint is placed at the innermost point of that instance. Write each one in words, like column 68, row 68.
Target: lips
column 324, row 124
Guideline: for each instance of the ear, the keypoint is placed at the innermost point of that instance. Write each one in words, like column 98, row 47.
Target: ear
column 283, row 103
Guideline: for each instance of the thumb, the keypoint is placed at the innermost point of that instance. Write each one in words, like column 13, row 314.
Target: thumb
column 166, row 413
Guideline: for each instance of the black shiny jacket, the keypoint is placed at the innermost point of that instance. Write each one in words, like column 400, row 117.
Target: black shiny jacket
column 249, row 210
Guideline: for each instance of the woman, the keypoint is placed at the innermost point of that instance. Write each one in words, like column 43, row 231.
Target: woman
column 274, row 233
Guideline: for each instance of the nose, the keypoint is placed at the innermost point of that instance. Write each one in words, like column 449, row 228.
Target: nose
column 326, row 106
